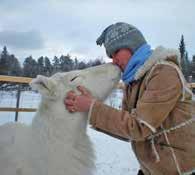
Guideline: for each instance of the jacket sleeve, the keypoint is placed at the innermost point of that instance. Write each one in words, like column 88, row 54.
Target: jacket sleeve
column 161, row 94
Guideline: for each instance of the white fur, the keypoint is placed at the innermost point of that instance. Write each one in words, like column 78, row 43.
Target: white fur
column 56, row 143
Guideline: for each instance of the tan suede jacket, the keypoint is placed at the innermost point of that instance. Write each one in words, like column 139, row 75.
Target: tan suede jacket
column 158, row 117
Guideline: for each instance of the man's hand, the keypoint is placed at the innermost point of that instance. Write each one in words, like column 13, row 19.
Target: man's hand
column 78, row 103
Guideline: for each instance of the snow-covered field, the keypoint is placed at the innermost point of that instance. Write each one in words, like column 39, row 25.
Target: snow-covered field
column 112, row 156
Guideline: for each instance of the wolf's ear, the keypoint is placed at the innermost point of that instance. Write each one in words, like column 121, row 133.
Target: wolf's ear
column 44, row 85
column 39, row 83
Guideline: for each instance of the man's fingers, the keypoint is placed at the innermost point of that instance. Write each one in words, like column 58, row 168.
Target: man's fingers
column 71, row 95
column 71, row 108
column 83, row 90
column 69, row 102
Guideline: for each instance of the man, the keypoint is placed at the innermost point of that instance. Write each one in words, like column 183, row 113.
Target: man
column 158, row 110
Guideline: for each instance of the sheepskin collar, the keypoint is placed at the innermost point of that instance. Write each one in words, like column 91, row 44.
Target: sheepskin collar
column 159, row 54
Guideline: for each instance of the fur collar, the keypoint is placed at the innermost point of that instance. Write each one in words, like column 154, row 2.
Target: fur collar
column 159, row 54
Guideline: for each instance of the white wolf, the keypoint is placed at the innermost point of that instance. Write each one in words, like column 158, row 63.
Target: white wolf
column 56, row 143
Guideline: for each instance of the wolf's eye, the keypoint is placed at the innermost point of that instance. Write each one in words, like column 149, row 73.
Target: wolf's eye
column 74, row 78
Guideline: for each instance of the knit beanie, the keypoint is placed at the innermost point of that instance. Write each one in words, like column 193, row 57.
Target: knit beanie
column 120, row 35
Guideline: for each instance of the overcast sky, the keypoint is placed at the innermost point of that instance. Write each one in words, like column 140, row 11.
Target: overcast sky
column 56, row 27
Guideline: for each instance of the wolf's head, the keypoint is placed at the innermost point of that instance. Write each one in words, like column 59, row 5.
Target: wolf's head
column 99, row 80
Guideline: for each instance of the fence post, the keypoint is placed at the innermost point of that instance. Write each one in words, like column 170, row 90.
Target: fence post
column 17, row 103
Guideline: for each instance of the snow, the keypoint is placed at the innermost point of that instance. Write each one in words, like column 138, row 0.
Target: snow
column 112, row 155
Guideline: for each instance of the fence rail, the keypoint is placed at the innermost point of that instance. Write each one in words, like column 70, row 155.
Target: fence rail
column 12, row 79
column 6, row 109
column 26, row 80
column 18, row 80
column 191, row 85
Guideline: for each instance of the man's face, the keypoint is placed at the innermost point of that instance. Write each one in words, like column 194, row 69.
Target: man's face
column 121, row 58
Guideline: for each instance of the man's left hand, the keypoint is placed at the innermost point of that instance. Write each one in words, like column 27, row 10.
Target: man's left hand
column 78, row 103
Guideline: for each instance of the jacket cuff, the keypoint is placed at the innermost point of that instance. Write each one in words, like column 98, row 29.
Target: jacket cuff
column 90, row 109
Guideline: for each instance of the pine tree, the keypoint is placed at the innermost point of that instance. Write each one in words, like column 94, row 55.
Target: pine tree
column 82, row 65
column 4, row 65
column 182, row 47
column 9, row 64
column 97, row 62
column 185, row 64
column 48, row 67
column 30, row 67
column 66, row 63
column 14, row 66
column 40, row 66
column 75, row 63
column 56, row 64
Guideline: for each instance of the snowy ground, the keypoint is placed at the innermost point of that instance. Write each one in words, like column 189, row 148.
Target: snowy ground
column 112, row 156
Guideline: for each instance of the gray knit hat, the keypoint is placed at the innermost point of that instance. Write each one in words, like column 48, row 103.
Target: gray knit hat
column 120, row 35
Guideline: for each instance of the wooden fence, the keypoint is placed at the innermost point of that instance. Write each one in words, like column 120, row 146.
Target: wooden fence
column 26, row 80
column 19, row 81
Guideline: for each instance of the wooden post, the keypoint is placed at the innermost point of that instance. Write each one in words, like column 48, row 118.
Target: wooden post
column 17, row 103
